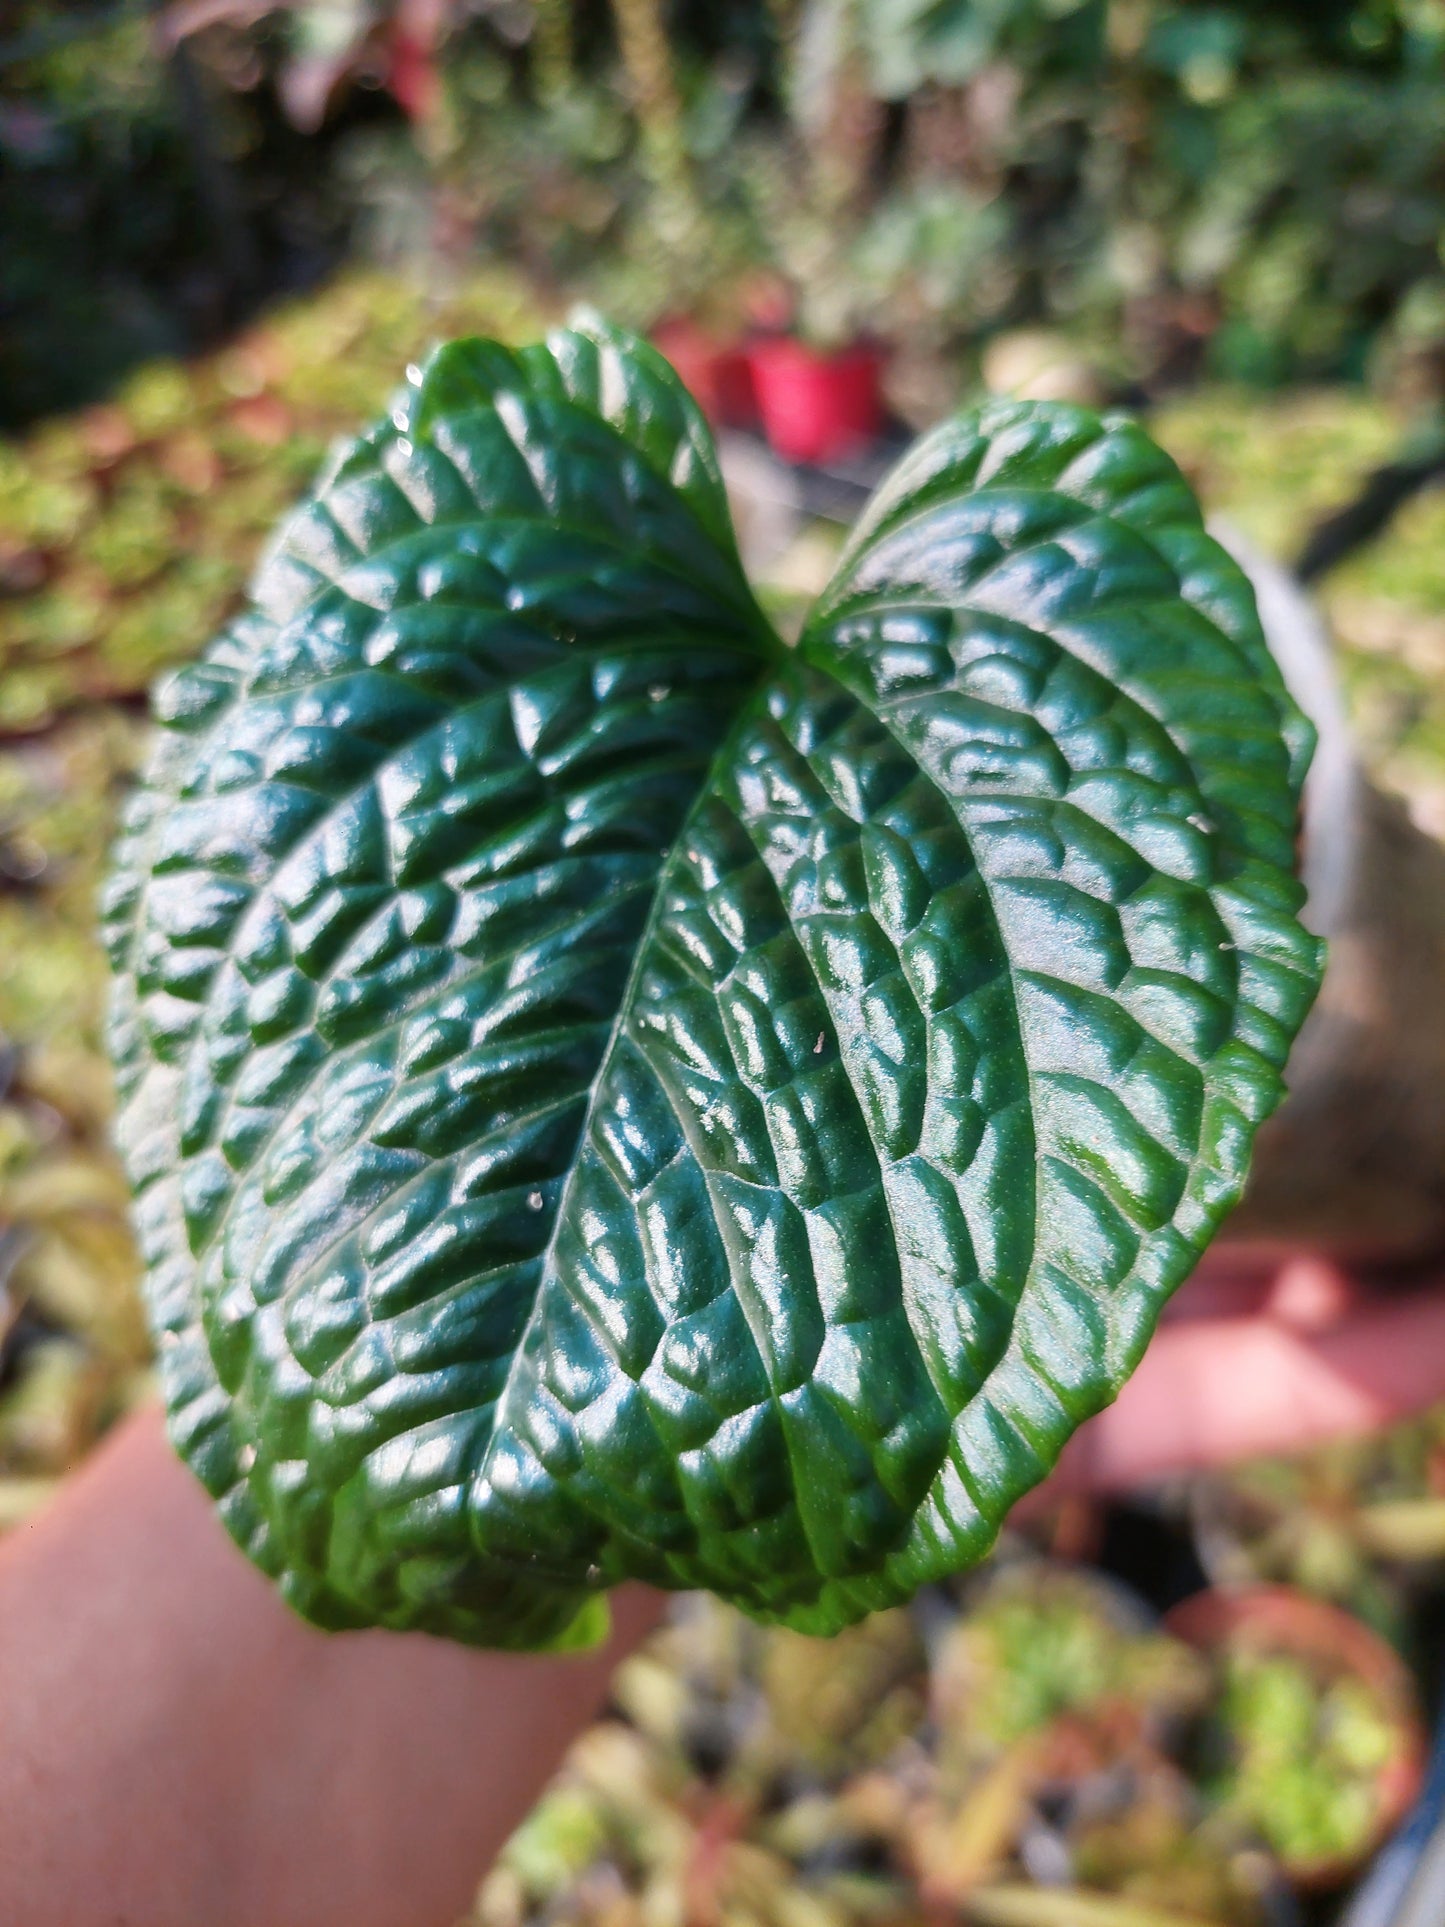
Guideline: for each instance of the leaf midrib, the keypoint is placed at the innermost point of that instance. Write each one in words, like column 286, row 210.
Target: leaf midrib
column 546, row 1272
column 481, row 1472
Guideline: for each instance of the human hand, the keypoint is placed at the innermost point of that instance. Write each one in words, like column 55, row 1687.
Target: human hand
column 176, row 1747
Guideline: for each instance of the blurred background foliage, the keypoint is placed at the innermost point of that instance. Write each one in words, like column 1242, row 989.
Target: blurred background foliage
column 1248, row 191
column 1030, row 1749
column 226, row 227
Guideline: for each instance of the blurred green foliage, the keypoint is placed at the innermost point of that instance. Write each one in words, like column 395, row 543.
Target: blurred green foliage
column 1255, row 193
column 1033, row 1652
column 1252, row 190
column 126, row 531
column 92, row 164
column 1306, row 1756
column 152, row 192
column 1025, row 1748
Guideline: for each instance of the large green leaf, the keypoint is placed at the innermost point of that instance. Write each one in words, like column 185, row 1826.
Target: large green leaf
column 610, row 1095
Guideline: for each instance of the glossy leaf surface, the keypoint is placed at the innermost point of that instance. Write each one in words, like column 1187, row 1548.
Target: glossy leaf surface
column 610, row 1095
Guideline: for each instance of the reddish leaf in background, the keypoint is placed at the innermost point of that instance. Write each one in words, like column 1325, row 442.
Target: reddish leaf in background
column 413, row 78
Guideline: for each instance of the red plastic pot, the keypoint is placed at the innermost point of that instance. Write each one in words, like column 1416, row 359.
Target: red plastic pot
column 717, row 374
column 817, row 408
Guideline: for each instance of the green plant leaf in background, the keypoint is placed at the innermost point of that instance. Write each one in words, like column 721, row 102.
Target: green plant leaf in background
column 611, row 1095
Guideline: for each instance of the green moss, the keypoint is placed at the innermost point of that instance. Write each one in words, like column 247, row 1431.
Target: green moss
column 1305, row 1756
